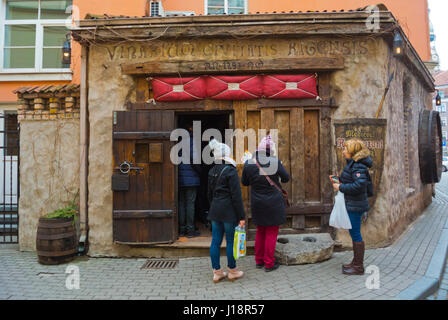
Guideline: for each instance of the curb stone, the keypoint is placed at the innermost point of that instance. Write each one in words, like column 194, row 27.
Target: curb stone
column 430, row 282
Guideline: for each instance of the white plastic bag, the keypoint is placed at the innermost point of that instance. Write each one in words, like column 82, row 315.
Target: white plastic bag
column 339, row 216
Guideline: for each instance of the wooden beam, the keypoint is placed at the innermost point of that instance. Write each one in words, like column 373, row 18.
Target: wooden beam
column 84, row 146
column 170, row 105
column 209, row 105
column 285, row 103
column 142, row 135
column 142, row 94
column 232, row 66
column 141, row 214
column 189, row 32
column 232, row 19
column 310, row 208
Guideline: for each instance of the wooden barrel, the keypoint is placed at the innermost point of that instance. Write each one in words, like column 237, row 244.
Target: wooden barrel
column 430, row 146
column 56, row 241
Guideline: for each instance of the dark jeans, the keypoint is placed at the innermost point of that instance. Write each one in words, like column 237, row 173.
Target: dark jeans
column 187, row 198
column 355, row 231
column 218, row 229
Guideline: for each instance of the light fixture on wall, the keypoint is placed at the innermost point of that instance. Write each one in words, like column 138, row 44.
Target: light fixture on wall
column 66, row 52
column 398, row 45
column 438, row 99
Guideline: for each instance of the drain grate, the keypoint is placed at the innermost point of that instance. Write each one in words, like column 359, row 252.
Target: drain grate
column 160, row 264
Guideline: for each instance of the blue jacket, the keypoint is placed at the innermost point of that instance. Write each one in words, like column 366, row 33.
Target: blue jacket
column 189, row 175
column 354, row 184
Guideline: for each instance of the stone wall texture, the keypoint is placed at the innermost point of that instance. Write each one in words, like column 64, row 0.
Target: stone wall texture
column 49, row 172
column 357, row 89
column 401, row 194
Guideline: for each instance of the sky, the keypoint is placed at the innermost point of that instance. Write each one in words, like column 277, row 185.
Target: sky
column 439, row 19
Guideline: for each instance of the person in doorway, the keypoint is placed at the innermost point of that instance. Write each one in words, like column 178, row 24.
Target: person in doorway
column 267, row 204
column 189, row 181
column 354, row 179
column 226, row 210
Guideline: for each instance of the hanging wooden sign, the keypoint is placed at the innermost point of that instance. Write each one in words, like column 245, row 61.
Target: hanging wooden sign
column 373, row 133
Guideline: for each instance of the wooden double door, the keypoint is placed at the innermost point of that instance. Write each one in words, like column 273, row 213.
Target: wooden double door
column 145, row 198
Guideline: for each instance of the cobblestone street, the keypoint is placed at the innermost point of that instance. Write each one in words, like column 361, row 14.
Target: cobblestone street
column 400, row 265
column 442, row 195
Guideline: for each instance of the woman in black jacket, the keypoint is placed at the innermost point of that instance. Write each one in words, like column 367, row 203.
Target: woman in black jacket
column 354, row 180
column 226, row 209
column 266, row 202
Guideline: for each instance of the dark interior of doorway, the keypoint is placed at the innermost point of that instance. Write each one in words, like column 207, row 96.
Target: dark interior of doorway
column 208, row 120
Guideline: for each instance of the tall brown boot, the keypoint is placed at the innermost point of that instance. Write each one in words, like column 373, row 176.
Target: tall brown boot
column 345, row 266
column 357, row 268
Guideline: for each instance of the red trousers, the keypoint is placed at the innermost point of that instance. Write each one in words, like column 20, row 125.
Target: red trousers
column 265, row 241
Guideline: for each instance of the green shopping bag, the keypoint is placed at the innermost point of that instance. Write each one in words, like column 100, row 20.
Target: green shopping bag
column 239, row 243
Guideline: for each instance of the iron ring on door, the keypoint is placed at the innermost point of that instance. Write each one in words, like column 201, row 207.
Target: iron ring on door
column 125, row 167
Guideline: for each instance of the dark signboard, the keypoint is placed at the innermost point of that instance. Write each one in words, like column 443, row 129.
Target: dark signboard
column 373, row 133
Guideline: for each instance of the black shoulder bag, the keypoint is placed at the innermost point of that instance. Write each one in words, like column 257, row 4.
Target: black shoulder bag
column 272, row 183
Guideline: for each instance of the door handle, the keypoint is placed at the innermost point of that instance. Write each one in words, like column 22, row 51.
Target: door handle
column 125, row 167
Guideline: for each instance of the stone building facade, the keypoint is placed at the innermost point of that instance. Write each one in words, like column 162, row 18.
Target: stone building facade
column 353, row 63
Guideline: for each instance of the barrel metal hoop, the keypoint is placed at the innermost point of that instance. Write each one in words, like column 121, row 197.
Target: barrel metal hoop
column 55, row 225
column 41, row 236
column 57, row 253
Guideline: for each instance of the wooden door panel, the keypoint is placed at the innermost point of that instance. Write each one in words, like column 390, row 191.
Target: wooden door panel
column 146, row 213
column 304, row 147
column 312, row 161
column 282, row 121
column 122, row 150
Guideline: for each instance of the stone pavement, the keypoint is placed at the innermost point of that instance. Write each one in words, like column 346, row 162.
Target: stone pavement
column 442, row 293
column 399, row 265
column 442, row 196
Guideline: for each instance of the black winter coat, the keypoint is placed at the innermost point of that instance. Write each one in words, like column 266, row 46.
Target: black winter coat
column 226, row 202
column 266, row 202
column 354, row 184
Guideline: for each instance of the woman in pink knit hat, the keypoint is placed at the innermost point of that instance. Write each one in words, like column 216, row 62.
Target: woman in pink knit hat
column 266, row 200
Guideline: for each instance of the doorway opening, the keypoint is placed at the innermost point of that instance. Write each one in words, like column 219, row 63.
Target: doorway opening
column 208, row 120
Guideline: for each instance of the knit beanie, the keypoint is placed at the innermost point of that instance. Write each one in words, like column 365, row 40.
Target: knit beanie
column 267, row 145
column 221, row 151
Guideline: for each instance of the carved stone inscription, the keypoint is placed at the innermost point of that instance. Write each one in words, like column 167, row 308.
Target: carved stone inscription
column 232, row 49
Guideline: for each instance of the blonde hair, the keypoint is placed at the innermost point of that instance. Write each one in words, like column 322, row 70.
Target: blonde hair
column 356, row 146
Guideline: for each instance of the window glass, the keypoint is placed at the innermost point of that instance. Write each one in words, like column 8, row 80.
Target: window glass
column 216, row 10
column 52, row 58
column 54, row 36
column 216, row 3
column 18, row 58
column 20, row 35
column 236, row 10
column 16, row 38
column 12, row 137
column 21, row 10
column 236, row 3
column 54, row 9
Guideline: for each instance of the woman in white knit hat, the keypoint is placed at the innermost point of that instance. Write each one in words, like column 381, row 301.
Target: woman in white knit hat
column 226, row 209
